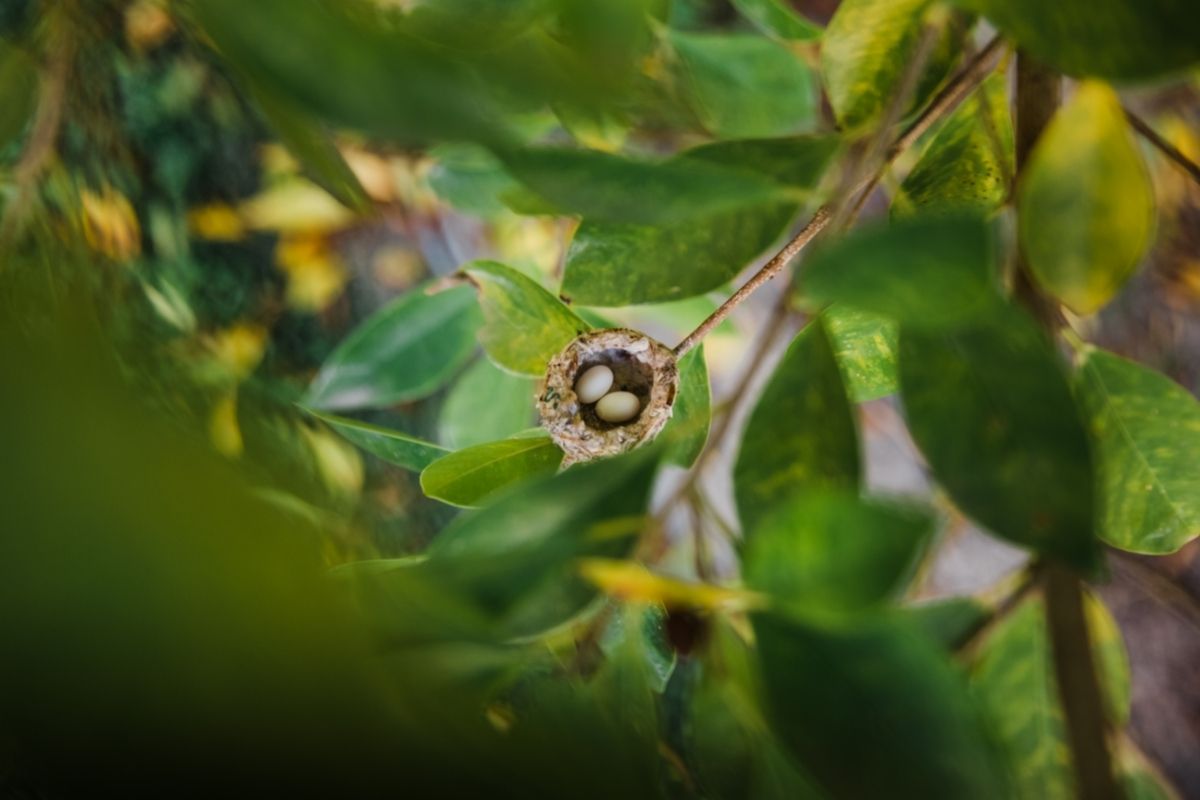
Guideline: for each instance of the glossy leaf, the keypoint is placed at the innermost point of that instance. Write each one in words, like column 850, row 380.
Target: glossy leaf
column 969, row 162
column 467, row 477
column 514, row 558
column 777, row 18
column 688, row 429
column 1146, row 442
column 616, row 265
column 524, row 325
column 1013, row 679
column 405, row 351
column 1117, row 39
column 1085, row 202
column 485, row 405
column 991, row 409
column 865, row 51
column 801, row 435
column 392, row 446
column 354, row 81
column 865, row 346
column 605, row 187
column 927, row 272
column 874, row 710
column 831, row 553
column 742, row 86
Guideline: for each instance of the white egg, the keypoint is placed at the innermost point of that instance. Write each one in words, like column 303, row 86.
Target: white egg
column 594, row 384
column 618, row 407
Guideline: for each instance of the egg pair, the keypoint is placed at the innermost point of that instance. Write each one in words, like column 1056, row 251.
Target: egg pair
column 614, row 407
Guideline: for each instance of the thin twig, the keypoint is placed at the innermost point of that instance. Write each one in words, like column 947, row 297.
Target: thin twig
column 1166, row 148
column 966, row 81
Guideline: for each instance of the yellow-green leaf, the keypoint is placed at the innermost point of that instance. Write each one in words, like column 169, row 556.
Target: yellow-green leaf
column 1085, row 202
column 466, row 477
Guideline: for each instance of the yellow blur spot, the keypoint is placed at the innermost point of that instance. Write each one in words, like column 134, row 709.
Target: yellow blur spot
column 374, row 172
column 239, row 348
column 223, row 430
column 337, row 461
column 219, row 222
column 110, row 225
column 631, row 581
column 147, row 25
column 315, row 276
column 295, row 206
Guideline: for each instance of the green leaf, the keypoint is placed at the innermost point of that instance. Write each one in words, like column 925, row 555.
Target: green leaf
column 1117, row 39
column 865, row 346
column 524, row 325
column 927, row 272
column 617, row 265
column 969, row 162
column 777, row 18
column 1085, row 203
column 832, row 553
column 467, row 477
column 471, row 24
column 991, row 409
column 313, row 148
column 874, row 710
column 18, row 84
column 392, row 446
column 405, row 351
column 1013, row 681
column 470, row 178
column 688, row 429
column 486, row 404
column 865, row 51
column 1146, row 443
column 514, row 558
column 745, row 86
column 949, row 622
column 355, row 80
column 802, row 434
column 605, row 187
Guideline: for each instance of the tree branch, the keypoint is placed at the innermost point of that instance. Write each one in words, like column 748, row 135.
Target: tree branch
column 1166, row 148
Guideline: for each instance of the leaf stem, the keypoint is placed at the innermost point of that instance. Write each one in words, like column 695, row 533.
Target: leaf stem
column 959, row 87
column 1166, row 148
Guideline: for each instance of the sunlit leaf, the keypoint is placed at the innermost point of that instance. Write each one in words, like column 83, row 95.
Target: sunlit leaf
column 524, row 325
column 692, row 412
column 991, row 409
column 927, row 272
column 484, row 405
column 615, row 265
column 745, row 86
column 1085, row 202
column 1014, row 681
column 633, row 582
column 393, row 446
column 802, row 434
column 778, row 18
column 1146, row 443
column 467, row 477
column 865, row 346
column 833, row 553
column 404, row 351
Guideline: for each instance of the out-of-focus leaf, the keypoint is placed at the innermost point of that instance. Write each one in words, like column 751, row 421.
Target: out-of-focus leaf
column 605, row 187
column 367, row 76
column 638, row 633
column 866, row 50
column 1140, row 780
column 991, row 409
column 1118, row 40
column 392, row 446
column 313, row 148
column 514, row 558
column 865, row 346
column 745, row 86
column 693, row 413
column 1013, row 680
column 1085, row 202
column 874, row 710
column 969, row 161
column 616, row 265
column 832, row 553
column 18, row 84
column 486, row 404
column 801, row 435
column 471, row 23
column 950, row 621
column 467, row 477
column 927, row 272
column 470, row 178
column 404, row 351
column 631, row 581
column 524, row 325
column 1146, row 443
column 777, row 18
